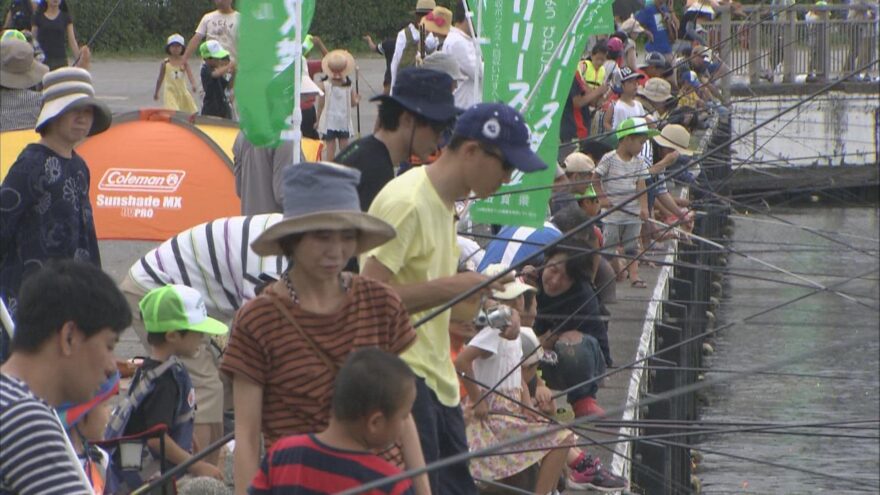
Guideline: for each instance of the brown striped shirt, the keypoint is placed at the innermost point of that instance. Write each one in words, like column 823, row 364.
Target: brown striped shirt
column 297, row 386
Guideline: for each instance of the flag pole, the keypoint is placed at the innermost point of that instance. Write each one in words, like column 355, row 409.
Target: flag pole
column 476, row 33
column 296, row 120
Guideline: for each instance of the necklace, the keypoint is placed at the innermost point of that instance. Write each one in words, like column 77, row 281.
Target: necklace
column 344, row 284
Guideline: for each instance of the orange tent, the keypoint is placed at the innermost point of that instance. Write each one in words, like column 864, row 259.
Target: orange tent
column 154, row 173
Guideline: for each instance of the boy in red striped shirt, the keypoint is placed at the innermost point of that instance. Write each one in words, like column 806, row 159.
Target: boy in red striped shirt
column 372, row 397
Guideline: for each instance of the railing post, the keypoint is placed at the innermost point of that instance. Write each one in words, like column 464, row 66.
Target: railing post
column 789, row 48
column 755, row 63
column 727, row 30
column 823, row 51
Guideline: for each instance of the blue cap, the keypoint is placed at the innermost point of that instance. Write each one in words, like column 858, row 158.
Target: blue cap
column 501, row 126
column 424, row 92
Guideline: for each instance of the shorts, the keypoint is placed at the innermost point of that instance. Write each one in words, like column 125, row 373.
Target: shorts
column 334, row 134
column 203, row 368
column 622, row 234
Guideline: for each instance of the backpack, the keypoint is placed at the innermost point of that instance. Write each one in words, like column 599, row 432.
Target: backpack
column 410, row 51
column 119, row 478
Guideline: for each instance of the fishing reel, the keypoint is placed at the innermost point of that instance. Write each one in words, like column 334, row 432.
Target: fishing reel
column 499, row 317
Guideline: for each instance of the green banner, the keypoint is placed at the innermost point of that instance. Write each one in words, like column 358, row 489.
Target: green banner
column 264, row 81
column 520, row 38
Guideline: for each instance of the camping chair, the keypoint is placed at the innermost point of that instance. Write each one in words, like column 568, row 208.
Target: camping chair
column 130, row 454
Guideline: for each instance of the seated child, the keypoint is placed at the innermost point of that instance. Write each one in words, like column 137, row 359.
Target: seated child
column 372, row 397
column 161, row 392
column 84, row 424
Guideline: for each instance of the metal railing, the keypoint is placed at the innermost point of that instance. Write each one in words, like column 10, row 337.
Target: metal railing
column 815, row 42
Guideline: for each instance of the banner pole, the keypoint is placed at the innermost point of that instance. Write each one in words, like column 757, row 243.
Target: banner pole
column 476, row 33
column 296, row 120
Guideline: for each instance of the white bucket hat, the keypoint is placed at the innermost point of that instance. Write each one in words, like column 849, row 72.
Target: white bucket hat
column 69, row 88
column 443, row 62
column 656, row 89
column 511, row 290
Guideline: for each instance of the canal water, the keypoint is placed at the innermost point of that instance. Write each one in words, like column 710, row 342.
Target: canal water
column 811, row 324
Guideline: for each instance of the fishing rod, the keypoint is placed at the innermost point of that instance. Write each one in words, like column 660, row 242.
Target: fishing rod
column 766, row 373
column 465, row 456
column 98, row 31
column 848, row 424
column 813, row 229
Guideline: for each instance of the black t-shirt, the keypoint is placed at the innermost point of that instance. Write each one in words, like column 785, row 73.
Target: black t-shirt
column 52, row 34
column 568, row 127
column 552, row 311
column 215, row 102
column 160, row 405
column 371, row 157
column 387, row 48
column 21, row 15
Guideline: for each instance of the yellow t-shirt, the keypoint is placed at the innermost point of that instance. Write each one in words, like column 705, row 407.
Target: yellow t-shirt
column 425, row 249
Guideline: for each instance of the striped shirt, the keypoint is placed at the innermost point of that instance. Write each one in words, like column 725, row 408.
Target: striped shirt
column 302, row 465
column 34, row 457
column 297, row 386
column 20, row 109
column 510, row 249
column 214, row 258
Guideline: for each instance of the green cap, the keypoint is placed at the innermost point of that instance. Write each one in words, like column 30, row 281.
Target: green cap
column 13, row 34
column 821, row 3
column 308, row 44
column 212, row 49
column 588, row 194
column 178, row 307
column 635, row 125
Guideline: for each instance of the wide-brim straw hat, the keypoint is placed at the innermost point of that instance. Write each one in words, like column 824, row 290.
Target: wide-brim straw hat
column 18, row 68
column 70, row 88
column 656, row 89
column 676, row 137
column 438, row 21
column 335, row 59
column 322, row 196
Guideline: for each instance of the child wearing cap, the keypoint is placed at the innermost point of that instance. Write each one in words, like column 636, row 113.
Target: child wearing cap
column 372, row 399
column 172, row 71
column 176, row 321
column 626, row 105
column 216, row 75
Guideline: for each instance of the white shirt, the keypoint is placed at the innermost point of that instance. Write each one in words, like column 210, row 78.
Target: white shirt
column 221, row 27
column 623, row 111
column 400, row 45
column 461, row 47
column 506, row 355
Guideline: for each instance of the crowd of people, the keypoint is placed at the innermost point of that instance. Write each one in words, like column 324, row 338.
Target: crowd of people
column 311, row 317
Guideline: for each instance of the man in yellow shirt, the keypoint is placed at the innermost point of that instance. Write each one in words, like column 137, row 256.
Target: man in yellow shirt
column 489, row 141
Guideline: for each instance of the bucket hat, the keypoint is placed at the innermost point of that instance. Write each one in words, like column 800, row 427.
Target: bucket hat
column 445, row 63
column 70, row 88
column 438, row 21
column 500, row 125
column 424, row 92
column 174, row 38
column 511, row 289
column 18, row 68
column 676, row 137
column 656, row 89
column 71, row 414
column 322, row 196
column 633, row 126
column 178, row 307
column 338, row 61
column 425, row 6
column 578, row 162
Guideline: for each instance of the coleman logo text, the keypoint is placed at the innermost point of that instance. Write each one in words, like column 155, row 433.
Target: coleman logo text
column 141, row 180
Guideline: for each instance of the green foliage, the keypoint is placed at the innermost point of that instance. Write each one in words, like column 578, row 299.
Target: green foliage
column 136, row 25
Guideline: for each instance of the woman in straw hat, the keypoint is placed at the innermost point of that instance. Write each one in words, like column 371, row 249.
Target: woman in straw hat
column 287, row 344
column 672, row 143
column 45, row 196
column 334, row 106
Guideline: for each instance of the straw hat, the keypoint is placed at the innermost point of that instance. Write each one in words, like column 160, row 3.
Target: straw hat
column 425, row 6
column 656, row 89
column 578, row 162
column 512, row 290
column 676, row 137
column 69, row 88
column 18, row 68
column 438, row 21
column 338, row 61
column 322, row 196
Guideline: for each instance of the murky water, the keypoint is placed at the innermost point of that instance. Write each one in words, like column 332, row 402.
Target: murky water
column 814, row 323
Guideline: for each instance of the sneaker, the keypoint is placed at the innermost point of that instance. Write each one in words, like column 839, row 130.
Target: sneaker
column 587, row 407
column 588, row 474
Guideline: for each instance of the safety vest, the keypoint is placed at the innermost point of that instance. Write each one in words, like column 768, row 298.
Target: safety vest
column 408, row 57
column 592, row 76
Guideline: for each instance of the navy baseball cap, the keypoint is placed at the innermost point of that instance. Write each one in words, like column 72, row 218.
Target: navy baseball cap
column 501, row 126
column 424, row 92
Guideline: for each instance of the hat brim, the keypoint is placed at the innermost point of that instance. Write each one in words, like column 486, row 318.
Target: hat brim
column 209, row 326
column 634, row 75
column 432, row 27
column 372, row 232
column 649, row 133
column 652, row 96
column 512, row 290
column 523, row 158
column 102, row 119
column 23, row 80
column 349, row 62
column 436, row 112
column 662, row 141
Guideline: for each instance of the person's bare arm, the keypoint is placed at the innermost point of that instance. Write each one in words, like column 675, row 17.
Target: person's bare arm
column 192, row 46
column 425, row 295
column 464, row 364
column 666, row 161
column 667, row 205
column 159, row 81
column 84, row 61
column 248, row 403
column 643, row 199
column 411, row 448
column 609, row 119
column 71, row 41
column 7, row 21
column 320, row 44
column 600, row 193
column 189, row 75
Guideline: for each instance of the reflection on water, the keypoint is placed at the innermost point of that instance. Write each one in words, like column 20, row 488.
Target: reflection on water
column 812, row 323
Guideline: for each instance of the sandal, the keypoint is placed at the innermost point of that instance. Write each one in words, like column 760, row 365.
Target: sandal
column 639, row 284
